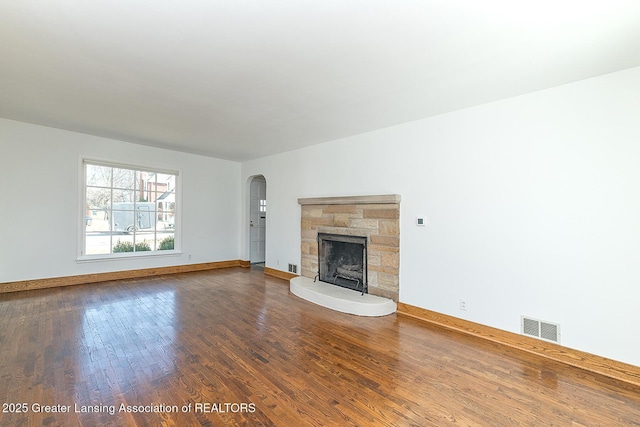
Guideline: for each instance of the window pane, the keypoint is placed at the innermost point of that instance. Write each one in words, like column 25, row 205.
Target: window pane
column 98, row 198
column 165, row 182
column 123, row 221
column 140, row 185
column 140, row 196
column 165, row 241
column 122, row 244
column 97, row 234
column 123, row 196
column 166, row 215
column 124, row 178
column 98, row 175
column 146, row 182
column 97, row 220
column 144, row 241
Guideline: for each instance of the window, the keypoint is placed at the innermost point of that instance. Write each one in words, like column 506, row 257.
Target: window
column 128, row 210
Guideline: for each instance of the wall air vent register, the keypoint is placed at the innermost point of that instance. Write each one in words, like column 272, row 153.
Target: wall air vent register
column 540, row 329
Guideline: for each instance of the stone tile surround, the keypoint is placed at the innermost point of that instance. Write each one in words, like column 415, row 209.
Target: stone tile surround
column 376, row 217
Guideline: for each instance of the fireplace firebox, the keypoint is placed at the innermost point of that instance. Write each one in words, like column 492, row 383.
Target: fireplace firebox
column 342, row 261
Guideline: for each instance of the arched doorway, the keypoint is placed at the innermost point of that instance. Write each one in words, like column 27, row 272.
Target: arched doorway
column 257, row 219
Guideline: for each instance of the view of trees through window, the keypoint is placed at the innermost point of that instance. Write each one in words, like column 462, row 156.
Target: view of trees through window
column 128, row 210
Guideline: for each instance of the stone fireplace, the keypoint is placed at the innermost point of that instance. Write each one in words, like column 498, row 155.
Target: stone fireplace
column 374, row 220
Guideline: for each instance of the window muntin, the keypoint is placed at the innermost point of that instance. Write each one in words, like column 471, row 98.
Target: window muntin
column 128, row 210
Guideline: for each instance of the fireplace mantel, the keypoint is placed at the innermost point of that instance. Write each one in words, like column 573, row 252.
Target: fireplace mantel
column 351, row 200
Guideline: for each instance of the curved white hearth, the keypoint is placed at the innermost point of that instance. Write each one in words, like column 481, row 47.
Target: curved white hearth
column 341, row 299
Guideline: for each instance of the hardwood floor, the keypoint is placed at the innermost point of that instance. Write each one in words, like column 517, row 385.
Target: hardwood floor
column 234, row 347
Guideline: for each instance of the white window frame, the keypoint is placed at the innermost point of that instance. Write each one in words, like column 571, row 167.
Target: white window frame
column 82, row 204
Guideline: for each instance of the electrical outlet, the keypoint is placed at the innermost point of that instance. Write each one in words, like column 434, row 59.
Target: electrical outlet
column 463, row 305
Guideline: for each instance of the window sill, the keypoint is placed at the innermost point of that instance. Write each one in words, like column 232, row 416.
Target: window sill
column 126, row 256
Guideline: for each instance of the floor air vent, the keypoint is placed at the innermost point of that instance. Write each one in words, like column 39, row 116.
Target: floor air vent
column 540, row 329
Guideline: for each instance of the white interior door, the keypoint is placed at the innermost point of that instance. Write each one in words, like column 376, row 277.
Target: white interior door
column 258, row 219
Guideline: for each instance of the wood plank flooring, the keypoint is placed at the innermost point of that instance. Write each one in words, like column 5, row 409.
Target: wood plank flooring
column 234, row 347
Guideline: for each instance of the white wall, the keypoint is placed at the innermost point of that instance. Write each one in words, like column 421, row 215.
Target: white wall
column 39, row 181
column 532, row 203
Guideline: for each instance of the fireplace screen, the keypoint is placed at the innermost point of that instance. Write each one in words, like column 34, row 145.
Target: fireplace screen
column 342, row 261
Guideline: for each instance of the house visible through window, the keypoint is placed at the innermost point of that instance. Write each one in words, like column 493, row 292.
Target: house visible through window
column 128, row 210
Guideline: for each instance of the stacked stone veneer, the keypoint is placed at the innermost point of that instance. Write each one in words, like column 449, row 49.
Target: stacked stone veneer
column 376, row 217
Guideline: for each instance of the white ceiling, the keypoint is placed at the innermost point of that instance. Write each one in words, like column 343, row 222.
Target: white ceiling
column 242, row 79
